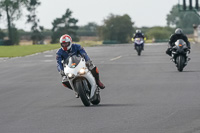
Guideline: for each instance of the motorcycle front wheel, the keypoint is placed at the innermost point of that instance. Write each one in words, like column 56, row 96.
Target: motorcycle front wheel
column 180, row 60
column 82, row 92
column 139, row 49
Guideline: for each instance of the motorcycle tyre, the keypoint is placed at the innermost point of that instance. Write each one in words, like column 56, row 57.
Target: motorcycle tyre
column 97, row 100
column 139, row 50
column 82, row 92
column 180, row 60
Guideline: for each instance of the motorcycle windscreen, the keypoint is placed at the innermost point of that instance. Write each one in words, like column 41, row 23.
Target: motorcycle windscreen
column 180, row 42
column 72, row 61
column 137, row 39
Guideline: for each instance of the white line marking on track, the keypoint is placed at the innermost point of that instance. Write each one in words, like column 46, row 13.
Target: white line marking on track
column 48, row 55
column 115, row 58
column 48, row 60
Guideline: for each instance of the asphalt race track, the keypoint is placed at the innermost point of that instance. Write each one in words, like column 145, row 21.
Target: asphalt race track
column 143, row 94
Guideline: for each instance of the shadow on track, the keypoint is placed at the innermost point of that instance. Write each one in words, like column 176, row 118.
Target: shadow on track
column 192, row 71
column 105, row 105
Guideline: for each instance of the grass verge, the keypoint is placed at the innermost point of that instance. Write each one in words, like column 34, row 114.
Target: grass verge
column 15, row 51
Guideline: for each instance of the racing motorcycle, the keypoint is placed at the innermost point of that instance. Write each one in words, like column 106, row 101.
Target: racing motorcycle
column 81, row 80
column 180, row 54
column 138, row 45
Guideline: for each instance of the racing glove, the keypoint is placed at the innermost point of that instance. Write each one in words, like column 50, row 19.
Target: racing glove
column 89, row 65
column 62, row 73
column 169, row 51
column 188, row 51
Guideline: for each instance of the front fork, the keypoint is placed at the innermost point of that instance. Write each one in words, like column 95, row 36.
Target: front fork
column 91, row 80
column 142, row 45
column 70, row 82
column 174, row 56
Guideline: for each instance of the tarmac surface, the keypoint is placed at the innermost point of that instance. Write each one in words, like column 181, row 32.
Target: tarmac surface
column 143, row 94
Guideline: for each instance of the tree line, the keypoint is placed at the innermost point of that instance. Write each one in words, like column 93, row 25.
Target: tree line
column 12, row 9
column 118, row 28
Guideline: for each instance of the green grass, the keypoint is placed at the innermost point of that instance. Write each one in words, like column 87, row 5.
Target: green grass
column 89, row 43
column 15, row 51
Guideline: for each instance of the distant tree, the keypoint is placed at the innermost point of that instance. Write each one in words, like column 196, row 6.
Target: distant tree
column 117, row 28
column 159, row 33
column 143, row 29
column 15, row 35
column 13, row 11
column 2, row 34
column 64, row 25
column 88, row 30
column 184, row 20
column 37, row 36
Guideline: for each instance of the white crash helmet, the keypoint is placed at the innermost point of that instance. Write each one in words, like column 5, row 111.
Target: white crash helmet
column 64, row 39
column 178, row 31
column 138, row 31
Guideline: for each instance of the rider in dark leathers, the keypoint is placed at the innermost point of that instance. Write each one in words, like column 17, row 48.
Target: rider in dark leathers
column 68, row 49
column 139, row 34
column 174, row 37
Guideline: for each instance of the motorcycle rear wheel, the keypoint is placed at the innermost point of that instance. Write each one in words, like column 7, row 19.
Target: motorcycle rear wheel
column 97, row 100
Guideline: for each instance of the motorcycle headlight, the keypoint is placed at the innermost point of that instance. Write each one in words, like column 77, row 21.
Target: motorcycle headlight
column 70, row 75
column 180, row 45
column 82, row 71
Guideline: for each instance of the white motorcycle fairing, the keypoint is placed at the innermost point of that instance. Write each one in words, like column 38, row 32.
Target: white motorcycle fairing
column 74, row 69
column 138, row 41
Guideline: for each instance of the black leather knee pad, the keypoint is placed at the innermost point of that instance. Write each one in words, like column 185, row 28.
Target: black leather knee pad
column 95, row 73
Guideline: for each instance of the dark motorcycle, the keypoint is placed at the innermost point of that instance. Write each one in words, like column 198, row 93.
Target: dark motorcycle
column 180, row 54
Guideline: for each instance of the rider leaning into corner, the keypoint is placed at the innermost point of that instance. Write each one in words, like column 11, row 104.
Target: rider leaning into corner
column 139, row 34
column 174, row 37
column 68, row 49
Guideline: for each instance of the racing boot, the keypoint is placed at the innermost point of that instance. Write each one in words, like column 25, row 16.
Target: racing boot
column 172, row 59
column 76, row 95
column 100, row 84
column 187, row 59
column 95, row 73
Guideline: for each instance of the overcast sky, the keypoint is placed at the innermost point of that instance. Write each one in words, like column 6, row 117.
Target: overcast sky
column 142, row 12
